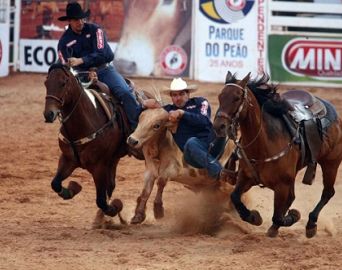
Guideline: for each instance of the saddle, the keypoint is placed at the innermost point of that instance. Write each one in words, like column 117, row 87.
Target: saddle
column 104, row 96
column 303, row 120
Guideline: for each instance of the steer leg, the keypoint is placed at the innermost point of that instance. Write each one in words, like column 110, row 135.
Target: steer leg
column 140, row 209
column 158, row 208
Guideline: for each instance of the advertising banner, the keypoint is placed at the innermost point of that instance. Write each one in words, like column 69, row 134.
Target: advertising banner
column 229, row 35
column 155, row 38
column 305, row 59
column 36, row 55
column 40, row 29
column 4, row 39
column 150, row 37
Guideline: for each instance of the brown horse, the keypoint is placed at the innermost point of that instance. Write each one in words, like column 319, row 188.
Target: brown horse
column 269, row 154
column 90, row 137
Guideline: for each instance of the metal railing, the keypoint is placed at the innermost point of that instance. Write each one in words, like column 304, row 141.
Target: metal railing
column 298, row 17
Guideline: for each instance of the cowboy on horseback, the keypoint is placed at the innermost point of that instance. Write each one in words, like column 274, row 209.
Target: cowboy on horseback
column 84, row 46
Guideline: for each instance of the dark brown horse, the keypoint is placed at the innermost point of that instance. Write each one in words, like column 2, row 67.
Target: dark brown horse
column 270, row 154
column 90, row 137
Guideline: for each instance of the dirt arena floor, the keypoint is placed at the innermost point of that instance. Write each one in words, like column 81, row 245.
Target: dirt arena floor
column 38, row 230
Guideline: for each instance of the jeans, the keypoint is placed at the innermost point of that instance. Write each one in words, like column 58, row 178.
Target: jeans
column 122, row 91
column 196, row 154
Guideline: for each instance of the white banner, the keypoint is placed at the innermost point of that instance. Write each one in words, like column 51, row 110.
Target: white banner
column 229, row 35
column 4, row 38
column 36, row 55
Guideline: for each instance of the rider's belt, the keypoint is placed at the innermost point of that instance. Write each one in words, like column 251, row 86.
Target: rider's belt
column 103, row 66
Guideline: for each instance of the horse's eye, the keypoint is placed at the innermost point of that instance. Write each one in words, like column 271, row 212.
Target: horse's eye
column 236, row 99
column 156, row 126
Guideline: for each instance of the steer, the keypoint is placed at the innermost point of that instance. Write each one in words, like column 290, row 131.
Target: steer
column 164, row 161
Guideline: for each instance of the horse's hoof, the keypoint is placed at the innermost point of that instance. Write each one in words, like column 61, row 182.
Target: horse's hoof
column 272, row 231
column 74, row 188
column 117, row 203
column 255, row 218
column 114, row 208
column 158, row 210
column 138, row 218
column 311, row 231
column 295, row 214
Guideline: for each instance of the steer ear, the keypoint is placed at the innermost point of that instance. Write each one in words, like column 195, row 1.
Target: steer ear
column 171, row 126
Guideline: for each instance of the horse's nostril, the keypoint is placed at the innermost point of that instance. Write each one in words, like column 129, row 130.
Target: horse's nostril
column 222, row 127
column 49, row 116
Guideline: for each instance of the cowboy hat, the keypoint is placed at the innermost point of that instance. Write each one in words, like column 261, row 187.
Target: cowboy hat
column 74, row 11
column 178, row 84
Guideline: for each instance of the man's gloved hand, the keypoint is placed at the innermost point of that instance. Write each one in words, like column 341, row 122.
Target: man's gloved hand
column 175, row 116
column 74, row 62
column 93, row 76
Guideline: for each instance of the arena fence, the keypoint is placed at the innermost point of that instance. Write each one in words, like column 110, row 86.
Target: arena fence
column 304, row 42
column 294, row 41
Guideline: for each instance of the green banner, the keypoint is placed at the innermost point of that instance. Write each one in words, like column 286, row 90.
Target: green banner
column 305, row 59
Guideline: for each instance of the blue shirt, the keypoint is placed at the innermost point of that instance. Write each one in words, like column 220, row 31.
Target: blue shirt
column 194, row 123
column 91, row 45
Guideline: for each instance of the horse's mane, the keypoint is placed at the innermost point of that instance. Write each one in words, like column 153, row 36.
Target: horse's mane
column 265, row 93
column 267, row 96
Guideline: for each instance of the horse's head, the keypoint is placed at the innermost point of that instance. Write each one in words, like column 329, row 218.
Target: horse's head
column 231, row 103
column 58, row 84
column 152, row 123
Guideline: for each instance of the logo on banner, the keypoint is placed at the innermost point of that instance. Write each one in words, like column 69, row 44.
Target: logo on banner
column 226, row 11
column 236, row 5
column 173, row 60
column 100, row 39
column 316, row 58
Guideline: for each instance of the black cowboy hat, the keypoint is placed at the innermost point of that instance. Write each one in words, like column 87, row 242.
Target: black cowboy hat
column 74, row 11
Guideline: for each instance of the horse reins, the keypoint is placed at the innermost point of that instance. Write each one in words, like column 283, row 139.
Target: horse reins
column 63, row 120
column 61, row 101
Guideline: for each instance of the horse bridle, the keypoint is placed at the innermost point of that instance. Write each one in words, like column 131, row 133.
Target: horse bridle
column 59, row 100
column 62, row 101
column 231, row 130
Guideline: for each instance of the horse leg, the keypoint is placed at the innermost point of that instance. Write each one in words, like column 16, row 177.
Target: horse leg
column 158, row 208
column 140, row 210
column 242, row 186
column 64, row 170
column 284, row 196
column 329, row 176
column 104, row 179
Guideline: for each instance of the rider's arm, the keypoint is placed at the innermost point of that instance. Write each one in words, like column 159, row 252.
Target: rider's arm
column 62, row 51
column 200, row 118
column 102, row 53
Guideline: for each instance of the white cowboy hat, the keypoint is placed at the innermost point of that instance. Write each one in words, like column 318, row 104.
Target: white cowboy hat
column 178, row 84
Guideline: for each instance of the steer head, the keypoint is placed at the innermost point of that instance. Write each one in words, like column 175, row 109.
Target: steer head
column 153, row 124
